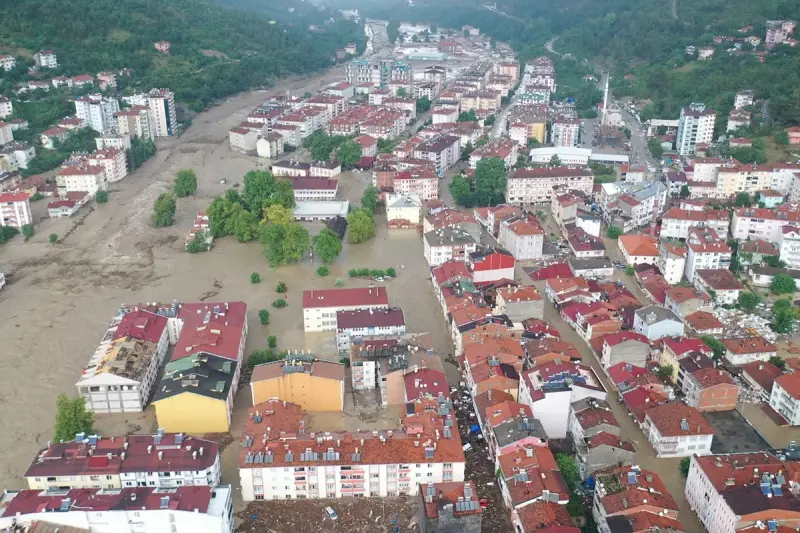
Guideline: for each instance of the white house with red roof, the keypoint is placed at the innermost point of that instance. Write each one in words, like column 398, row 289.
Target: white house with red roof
column 785, row 397
column 15, row 209
column 45, row 59
column 677, row 430
column 367, row 322
column 321, row 306
column 81, row 177
column 113, row 160
column 491, row 264
column 66, row 207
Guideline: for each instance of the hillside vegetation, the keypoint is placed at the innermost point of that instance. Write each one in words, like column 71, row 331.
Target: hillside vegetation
column 94, row 35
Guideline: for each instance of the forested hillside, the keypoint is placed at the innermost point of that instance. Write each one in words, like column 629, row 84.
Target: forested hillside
column 216, row 50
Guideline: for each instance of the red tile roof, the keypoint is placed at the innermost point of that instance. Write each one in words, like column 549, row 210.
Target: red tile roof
column 710, row 377
column 359, row 297
column 14, row 197
column 719, row 279
column 366, row 318
column 790, row 383
column 702, row 321
column 539, row 515
column 220, row 334
column 667, row 419
column 556, row 270
column 749, row 345
column 763, row 373
column 425, row 382
column 622, row 372
column 605, row 438
column 637, row 494
column 682, row 345
column 141, row 325
column 623, row 336
column 449, row 493
column 594, row 416
column 639, row 245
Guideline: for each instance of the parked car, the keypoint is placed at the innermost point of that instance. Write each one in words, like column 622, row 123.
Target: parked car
column 331, row 513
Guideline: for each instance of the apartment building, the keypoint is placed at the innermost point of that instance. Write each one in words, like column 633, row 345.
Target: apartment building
column 595, row 435
column 743, row 99
column 15, row 209
column 565, row 132
column 445, row 506
column 314, row 189
column 676, row 222
column 696, row 126
column 178, row 510
column 352, row 325
column 97, row 111
column 45, row 59
column 113, row 160
column 163, row 112
column 677, row 430
column 320, row 307
column 789, row 245
column 160, row 461
column 500, row 148
column 6, row 107
column 135, row 121
column 523, row 238
column 743, row 491
column 672, row 262
column 625, row 347
column 357, row 464
column 623, row 492
column 448, row 243
column 764, row 224
column 705, row 250
column 733, row 179
column 7, row 62
column 420, row 182
column 300, row 378
column 656, row 322
column 785, row 397
column 719, row 282
column 709, row 389
column 536, row 185
column 81, row 177
column 443, row 151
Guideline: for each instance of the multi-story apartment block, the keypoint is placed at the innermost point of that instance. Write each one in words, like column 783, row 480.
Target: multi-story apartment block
column 785, row 397
column 764, row 224
column 97, row 111
column 738, row 118
column 122, row 372
column 113, row 160
column 160, row 461
column 743, row 491
column 696, row 126
column 789, row 245
column 351, row 325
column 6, row 107
column 45, row 59
column 420, row 182
column 320, row 307
column 720, row 282
column 135, row 121
column 709, row 389
column 444, row 244
column 15, row 209
column 677, row 430
column 443, row 151
column 7, row 62
column 625, row 491
column 314, row 189
column 706, row 250
column 81, row 177
column 733, row 179
column 536, row 185
column 743, row 99
column 565, row 132
column 676, row 222
column 500, row 148
column 672, row 262
column 163, row 112
column 523, row 238
column 595, row 435
column 299, row 378
column 380, row 73
column 778, row 32
column 335, row 465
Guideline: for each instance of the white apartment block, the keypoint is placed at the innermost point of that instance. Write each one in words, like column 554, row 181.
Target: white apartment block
column 6, row 133
column 113, row 160
column 763, row 224
column 789, row 244
column 6, row 107
column 536, row 185
column 321, row 306
column 677, row 430
column 7, row 62
column 672, row 262
column 753, row 178
column 123, row 370
column 676, row 222
column 135, row 121
column 443, row 151
column 45, row 59
column 314, row 189
column 180, row 510
column 89, row 178
column 97, row 111
column 565, row 132
column 162, row 109
column 422, row 183
column 15, row 209
column 785, row 398
column 112, row 139
column 160, row 461
column 521, row 238
column 443, row 244
column 706, row 250
column 696, row 126
column 367, row 322
column 743, row 99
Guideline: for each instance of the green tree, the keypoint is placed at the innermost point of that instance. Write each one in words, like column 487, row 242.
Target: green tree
column 490, row 181
column 280, row 288
column 423, row 104
column 164, row 210
column 489, row 120
column 272, row 341
column 255, row 277
column 664, row 372
column 782, row 284
column 778, row 361
column 685, row 464
column 460, row 190
column 468, row 116
column 743, row 199
column 185, row 183
column 614, row 232
column 774, row 261
column 783, row 319
column 629, row 270
column 53, row 238
column 323, row 271
column 401, row 92
column 360, row 226
column 555, row 161
column 72, row 418
column 685, row 192
column 369, row 199
column 260, row 357
column 748, row 300
column 277, row 214
column 222, row 213
column 258, row 187
column 282, row 195
column 284, row 244
column 782, row 137
column 279, row 303
column 716, row 346
column 198, row 244
column 27, row 231
column 101, row 197
column 655, row 148
column 245, row 226
column 327, row 246
column 263, row 316
column 466, row 151
column 348, row 153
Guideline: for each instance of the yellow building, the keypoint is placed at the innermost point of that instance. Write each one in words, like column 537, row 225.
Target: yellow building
column 196, row 395
column 538, row 131
column 313, row 385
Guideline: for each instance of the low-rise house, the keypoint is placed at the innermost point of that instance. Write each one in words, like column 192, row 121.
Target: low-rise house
column 491, row 264
column 320, row 306
column 639, row 249
column 66, row 207
column 314, row 189
column 584, row 245
column 325, row 169
column 509, row 425
column 721, row 284
column 760, row 375
column 625, row 347
column 403, row 210
column 623, row 491
column 744, row 350
column 684, row 301
column 559, row 290
column 656, row 322
column 762, row 275
column 677, row 430
column 592, row 267
column 785, row 397
column 449, row 506
column 703, row 323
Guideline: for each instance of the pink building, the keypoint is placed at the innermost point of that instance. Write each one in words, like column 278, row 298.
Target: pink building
column 163, row 46
column 425, row 183
column 15, row 209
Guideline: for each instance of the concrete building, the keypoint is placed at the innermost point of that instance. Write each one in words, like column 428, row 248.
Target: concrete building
column 160, row 461
column 243, row 140
column 336, row 465
column 595, row 435
column 639, row 249
column 684, row 301
column 710, row 389
column 7, row 62
column 447, row 507
column 677, row 430
column 789, row 245
column 419, row 182
column 706, row 250
column 443, row 151
column 676, row 222
column 625, row 490
column 656, row 322
column 733, row 179
column 403, row 210
column 270, row 146
column 113, row 160
column 352, row 325
column 163, row 112
column 745, row 350
column 743, row 99
column 97, row 111
column 625, row 347
column 15, row 209
column 313, row 384
column 764, row 224
column 81, row 177
column 320, row 307
column 785, row 397
column 179, row 510
column 314, row 189
column 135, row 121
column 565, row 132
column 45, row 59
column 523, row 238
column 672, row 262
column 6, row 107
column 536, row 185
column 447, row 243
column 519, row 303
column 491, row 265
column 696, row 126
column 720, row 283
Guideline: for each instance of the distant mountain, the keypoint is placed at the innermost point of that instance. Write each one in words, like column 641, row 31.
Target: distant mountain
column 216, row 50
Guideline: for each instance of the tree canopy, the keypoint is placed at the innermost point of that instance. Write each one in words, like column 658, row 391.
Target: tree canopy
column 782, row 284
column 71, row 418
column 360, row 226
column 490, row 181
column 164, row 210
column 348, row 153
column 185, row 183
column 284, row 244
column 327, row 246
column 369, row 199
